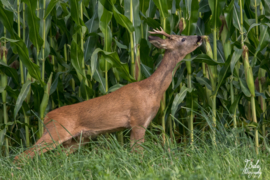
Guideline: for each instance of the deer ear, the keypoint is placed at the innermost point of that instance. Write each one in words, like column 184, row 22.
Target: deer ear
column 158, row 42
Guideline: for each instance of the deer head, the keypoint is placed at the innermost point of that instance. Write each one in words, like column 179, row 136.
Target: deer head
column 184, row 44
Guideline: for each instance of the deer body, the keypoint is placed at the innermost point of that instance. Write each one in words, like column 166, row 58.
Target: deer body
column 132, row 106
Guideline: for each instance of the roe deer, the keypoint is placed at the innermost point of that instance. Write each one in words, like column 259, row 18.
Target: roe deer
column 132, row 106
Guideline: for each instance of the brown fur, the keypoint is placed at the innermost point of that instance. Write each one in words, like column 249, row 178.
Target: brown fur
column 132, row 106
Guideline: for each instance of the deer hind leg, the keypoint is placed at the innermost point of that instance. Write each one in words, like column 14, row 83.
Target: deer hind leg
column 45, row 143
column 137, row 138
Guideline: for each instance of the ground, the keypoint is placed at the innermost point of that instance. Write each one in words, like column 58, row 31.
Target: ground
column 106, row 159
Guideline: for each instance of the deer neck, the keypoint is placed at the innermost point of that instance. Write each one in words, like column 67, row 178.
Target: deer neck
column 161, row 79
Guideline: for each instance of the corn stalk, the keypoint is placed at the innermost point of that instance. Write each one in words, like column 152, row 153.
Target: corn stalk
column 135, row 54
column 82, row 42
column 53, row 61
column 227, row 51
column 4, row 81
column 189, row 85
column 24, row 26
column 191, row 18
column 261, row 76
column 26, row 117
column 163, row 100
column 19, row 34
column 44, row 40
column 132, row 54
column 250, row 83
column 212, row 70
column 28, row 77
column 38, row 50
column 261, row 99
column 214, row 73
column 249, row 78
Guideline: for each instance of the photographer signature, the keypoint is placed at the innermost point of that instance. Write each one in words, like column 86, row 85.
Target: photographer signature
column 253, row 170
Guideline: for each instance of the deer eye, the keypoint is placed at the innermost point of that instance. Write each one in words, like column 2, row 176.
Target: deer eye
column 183, row 40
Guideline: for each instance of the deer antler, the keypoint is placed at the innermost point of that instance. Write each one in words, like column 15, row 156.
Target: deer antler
column 161, row 31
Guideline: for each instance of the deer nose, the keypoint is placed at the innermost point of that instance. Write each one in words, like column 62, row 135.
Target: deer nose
column 199, row 38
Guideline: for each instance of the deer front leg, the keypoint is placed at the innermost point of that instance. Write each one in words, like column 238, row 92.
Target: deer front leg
column 136, row 138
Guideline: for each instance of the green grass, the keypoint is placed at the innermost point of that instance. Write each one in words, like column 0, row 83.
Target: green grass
column 106, row 159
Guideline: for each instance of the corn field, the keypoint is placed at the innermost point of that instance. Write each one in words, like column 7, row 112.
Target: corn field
column 59, row 52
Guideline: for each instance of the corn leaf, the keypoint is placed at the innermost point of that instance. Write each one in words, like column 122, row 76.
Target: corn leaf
column 24, row 57
column 2, row 135
column 266, row 5
column 216, row 8
column 133, row 11
column 23, row 94
column 89, row 45
column 45, row 98
column 112, row 57
column 151, row 22
column 50, row 7
column 115, row 87
column 104, row 20
column 264, row 38
column 76, row 58
column 234, row 106
column 9, row 72
column 99, row 78
column 149, row 14
column 162, row 7
column 38, row 91
column 191, row 17
column 85, row 90
column 123, row 20
column 235, row 57
column 6, row 17
column 203, row 58
column 33, row 22
column 237, row 18
column 147, row 71
column 94, row 59
column 55, row 82
column 244, row 87
column 144, row 5
column 179, row 98
column 75, row 11
column 204, row 6
column 122, row 46
column 204, row 81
